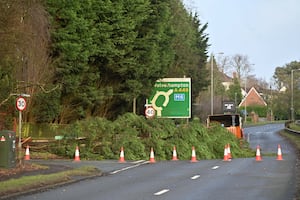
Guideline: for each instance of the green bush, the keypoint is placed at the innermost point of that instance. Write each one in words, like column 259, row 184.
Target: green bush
column 260, row 110
column 102, row 139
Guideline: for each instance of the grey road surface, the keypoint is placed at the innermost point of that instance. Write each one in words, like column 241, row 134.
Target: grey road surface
column 242, row 178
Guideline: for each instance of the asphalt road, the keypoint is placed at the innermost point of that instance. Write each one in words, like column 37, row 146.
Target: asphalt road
column 243, row 178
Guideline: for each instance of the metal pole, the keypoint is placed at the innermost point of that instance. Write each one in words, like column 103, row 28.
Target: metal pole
column 134, row 105
column 246, row 99
column 235, row 94
column 20, row 137
column 211, row 85
column 292, row 96
column 20, row 129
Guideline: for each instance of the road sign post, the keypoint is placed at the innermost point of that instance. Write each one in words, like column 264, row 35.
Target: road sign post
column 21, row 105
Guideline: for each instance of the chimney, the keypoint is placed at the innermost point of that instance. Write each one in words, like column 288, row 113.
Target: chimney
column 234, row 75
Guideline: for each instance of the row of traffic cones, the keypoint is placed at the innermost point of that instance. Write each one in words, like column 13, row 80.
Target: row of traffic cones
column 27, row 154
column 227, row 154
column 258, row 155
column 151, row 159
column 174, row 156
column 122, row 158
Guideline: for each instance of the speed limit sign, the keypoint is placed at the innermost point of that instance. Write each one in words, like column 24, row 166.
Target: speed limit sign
column 21, row 103
column 150, row 112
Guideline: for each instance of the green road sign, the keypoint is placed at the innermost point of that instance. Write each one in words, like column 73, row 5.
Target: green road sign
column 171, row 98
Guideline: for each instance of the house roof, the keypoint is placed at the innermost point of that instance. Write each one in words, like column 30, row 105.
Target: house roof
column 225, row 77
column 253, row 98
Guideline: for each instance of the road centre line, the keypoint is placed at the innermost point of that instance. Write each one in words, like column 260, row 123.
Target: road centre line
column 138, row 161
column 195, row 177
column 215, row 167
column 161, row 192
column 126, row 168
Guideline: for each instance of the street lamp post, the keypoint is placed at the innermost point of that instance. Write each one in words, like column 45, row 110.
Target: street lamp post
column 212, row 83
column 246, row 99
column 246, row 95
column 292, row 95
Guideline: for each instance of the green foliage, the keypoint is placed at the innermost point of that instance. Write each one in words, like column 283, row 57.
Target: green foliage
column 106, row 53
column 103, row 139
column 282, row 78
column 100, row 55
column 73, row 46
column 281, row 111
column 7, row 83
column 49, row 110
column 260, row 110
column 234, row 93
column 190, row 45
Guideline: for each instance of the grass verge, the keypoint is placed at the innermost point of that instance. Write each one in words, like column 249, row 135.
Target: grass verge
column 295, row 140
column 26, row 183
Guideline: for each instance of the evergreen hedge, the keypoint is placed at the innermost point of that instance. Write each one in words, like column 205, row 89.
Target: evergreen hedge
column 103, row 139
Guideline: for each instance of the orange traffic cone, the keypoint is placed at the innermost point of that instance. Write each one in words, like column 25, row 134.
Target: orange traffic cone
column 27, row 154
column 77, row 158
column 193, row 159
column 152, row 160
column 228, row 151
column 122, row 159
column 3, row 139
column 279, row 154
column 258, row 156
column 226, row 158
column 174, row 154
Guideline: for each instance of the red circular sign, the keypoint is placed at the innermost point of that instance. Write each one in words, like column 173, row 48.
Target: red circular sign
column 149, row 112
column 21, row 103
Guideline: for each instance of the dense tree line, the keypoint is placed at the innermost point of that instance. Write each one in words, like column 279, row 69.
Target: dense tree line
column 80, row 59
column 282, row 83
column 24, row 54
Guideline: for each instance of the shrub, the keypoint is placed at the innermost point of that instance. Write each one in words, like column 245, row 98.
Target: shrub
column 103, row 139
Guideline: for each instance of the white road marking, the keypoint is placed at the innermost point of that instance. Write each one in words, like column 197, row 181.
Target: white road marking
column 195, row 177
column 138, row 161
column 161, row 192
column 126, row 168
column 215, row 167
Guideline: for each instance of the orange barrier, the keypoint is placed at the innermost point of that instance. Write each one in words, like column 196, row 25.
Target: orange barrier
column 235, row 130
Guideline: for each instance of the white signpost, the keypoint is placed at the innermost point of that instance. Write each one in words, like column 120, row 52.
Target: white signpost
column 21, row 105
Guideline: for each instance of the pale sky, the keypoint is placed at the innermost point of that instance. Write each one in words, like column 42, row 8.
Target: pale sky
column 267, row 31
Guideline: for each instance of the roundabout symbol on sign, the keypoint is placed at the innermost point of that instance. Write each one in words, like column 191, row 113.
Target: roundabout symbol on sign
column 21, row 103
column 150, row 112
